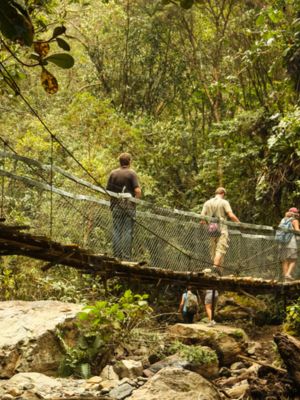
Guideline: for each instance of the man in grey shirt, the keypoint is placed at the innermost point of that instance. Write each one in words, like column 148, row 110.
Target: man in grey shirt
column 123, row 180
column 219, row 208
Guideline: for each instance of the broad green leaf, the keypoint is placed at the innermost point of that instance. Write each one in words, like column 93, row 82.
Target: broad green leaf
column 85, row 370
column 62, row 60
column 260, row 20
column 275, row 15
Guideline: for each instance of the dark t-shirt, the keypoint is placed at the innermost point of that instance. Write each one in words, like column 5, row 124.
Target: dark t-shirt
column 122, row 180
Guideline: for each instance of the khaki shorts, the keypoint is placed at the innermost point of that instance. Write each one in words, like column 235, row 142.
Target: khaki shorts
column 209, row 296
column 219, row 245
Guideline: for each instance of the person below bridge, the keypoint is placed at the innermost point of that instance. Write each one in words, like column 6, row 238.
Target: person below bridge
column 210, row 301
column 123, row 180
column 189, row 305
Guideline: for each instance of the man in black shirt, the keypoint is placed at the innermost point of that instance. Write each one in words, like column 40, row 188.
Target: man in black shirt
column 123, row 180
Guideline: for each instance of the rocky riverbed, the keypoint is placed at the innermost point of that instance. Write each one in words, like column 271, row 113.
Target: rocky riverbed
column 233, row 365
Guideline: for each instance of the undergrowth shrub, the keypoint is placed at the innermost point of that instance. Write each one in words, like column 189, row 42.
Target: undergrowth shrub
column 292, row 321
column 194, row 354
column 102, row 327
column 23, row 279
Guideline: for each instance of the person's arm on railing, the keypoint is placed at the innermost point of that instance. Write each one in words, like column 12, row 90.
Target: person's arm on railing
column 137, row 192
column 233, row 217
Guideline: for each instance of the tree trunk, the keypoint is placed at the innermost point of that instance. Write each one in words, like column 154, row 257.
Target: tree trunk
column 289, row 350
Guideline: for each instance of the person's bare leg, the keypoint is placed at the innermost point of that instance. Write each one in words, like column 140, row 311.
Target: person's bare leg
column 218, row 263
column 208, row 309
column 285, row 267
column 291, row 267
column 218, row 260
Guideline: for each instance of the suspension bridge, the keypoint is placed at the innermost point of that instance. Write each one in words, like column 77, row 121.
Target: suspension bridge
column 71, row 224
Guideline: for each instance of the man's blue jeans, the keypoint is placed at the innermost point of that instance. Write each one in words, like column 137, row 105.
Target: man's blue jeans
column 123, row 221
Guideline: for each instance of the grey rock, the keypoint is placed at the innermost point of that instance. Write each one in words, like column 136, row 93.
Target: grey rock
column 121, row 392
column 28, row 340
column 237, row 365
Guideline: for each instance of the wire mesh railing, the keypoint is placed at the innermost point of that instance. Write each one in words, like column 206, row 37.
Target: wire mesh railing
column 164, row 238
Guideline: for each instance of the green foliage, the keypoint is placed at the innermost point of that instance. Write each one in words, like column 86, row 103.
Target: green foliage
column 17, row 25
column 22, row 279
column 238, row 334
column 292, row 321
column 196, row 355
column 102, row 327
column 197, row 102
column 7, row 283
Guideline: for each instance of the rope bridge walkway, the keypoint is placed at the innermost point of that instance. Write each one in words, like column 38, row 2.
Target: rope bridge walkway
column 172, row 244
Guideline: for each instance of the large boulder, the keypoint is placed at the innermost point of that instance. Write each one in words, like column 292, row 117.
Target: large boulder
column 176, row 383
column 228, row 342
column 28, row 341
column 33, row 385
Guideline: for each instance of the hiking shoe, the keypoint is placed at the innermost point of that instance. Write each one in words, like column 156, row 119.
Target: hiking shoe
column 211, row 323
column 217, row 271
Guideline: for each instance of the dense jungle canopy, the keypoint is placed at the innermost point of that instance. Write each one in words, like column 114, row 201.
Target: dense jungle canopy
column 201, row 92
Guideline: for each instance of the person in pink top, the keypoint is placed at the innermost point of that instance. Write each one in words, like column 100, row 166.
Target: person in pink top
column 289, row 250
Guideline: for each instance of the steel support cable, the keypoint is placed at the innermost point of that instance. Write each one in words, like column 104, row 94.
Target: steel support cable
column 243, row 268
column 51, row 192
column 45, row 180
column 2, row 184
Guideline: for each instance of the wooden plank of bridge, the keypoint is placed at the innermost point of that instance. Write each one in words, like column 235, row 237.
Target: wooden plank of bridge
column 15, row 242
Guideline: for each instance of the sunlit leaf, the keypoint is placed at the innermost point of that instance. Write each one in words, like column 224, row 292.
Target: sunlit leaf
column 41, row 48
column 49, row 82
column 63, row 44
column 260, row 20
column 275, row 15
column 62, row 60
column 85, row 370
